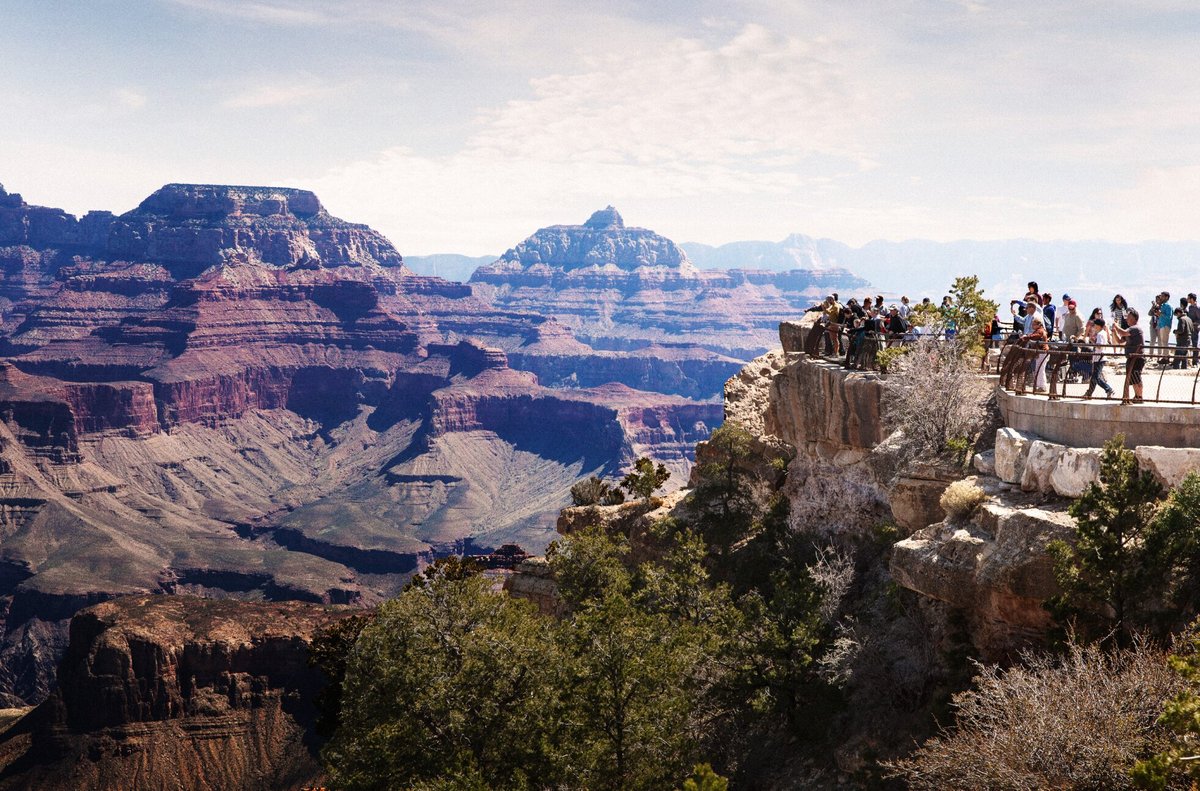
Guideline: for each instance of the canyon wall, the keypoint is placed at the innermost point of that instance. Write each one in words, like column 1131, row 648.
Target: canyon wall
column 177, row 692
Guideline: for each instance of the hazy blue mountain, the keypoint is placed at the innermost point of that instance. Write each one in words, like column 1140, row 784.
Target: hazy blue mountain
column 1091, row 271
column 450, row 266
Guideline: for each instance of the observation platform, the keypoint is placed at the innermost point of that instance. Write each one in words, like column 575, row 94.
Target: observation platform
column 1168, row 415
column 1089, row 424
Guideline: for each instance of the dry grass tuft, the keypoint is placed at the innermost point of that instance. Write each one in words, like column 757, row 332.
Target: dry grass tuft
column 961, row 498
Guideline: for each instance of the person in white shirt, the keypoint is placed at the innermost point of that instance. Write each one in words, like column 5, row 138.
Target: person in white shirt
column 1099, row 338
column 904, row 308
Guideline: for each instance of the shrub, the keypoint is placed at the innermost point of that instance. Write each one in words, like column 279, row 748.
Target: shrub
column 1114, row 573
column 887, row 357
column 961, row 498
column 646, row 478
column 937, row 397
column 590, row 491
column 1078, row 722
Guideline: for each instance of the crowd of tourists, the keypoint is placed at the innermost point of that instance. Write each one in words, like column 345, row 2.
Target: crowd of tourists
column 1035, row 327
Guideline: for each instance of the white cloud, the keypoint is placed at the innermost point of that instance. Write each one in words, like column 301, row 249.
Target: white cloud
column 279, row 13
column 131, row 98
column 278, row 95
column 753, row 114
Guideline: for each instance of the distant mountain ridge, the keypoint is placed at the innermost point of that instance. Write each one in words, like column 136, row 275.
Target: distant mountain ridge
column 620, row 287
column 449, row 266
column 1091, row 271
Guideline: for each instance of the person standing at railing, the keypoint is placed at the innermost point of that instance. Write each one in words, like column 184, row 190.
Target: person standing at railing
column 1098, row 339
column 1183, row 336
column 1070, row 323
column 1135, row 360
column 1193, row 311
column 1048, row 314
column 1119, row 308
column 1161, row 318
column 833, row 325
column 1059, row 315
column 1037, row 341
column 896, row 325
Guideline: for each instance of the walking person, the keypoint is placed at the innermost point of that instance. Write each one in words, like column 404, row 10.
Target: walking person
column 1098, row 339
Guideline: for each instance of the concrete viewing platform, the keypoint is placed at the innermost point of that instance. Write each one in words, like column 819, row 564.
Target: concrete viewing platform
column 1078, row 423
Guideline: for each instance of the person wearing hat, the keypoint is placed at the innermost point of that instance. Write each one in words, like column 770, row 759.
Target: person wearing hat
column 1071, row 323
column 896, row 325
column 1059, row 315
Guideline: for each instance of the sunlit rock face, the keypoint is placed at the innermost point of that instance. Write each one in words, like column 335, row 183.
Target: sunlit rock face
column 153, row 687
column 621, row 287
column 228, row 391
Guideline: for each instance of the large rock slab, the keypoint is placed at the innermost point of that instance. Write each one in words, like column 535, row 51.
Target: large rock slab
column 1011, row 449
column 985, row 462
column 995, row 568
column 178, row 692
column 915, row 496
column 1169, row 465
column 1077, row 469
column 1041, row 460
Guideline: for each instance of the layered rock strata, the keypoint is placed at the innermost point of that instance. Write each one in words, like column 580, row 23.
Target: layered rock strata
column 228, row 391
column 619, row 287
column 177, row 692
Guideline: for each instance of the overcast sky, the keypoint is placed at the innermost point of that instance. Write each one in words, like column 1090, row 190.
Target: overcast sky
column 460, row 126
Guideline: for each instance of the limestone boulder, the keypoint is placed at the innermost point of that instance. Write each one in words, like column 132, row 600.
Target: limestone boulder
column 985, row 463
column 915, row 495
column 793, row 333
column 1011, row 449
column 1077, row 469
column 1041, row 460
column 1169, row 465
column 995, row 567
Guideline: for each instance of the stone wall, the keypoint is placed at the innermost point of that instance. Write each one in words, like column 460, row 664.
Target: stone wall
column 1092, row 423
column 1051, row 468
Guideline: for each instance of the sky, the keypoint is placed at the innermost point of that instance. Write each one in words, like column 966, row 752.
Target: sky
column 463, row 126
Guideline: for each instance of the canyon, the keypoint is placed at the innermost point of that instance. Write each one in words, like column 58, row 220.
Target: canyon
column 248, row 696
column 227, row 391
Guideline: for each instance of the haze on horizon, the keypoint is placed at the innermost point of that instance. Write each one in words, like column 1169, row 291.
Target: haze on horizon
column 461, row 126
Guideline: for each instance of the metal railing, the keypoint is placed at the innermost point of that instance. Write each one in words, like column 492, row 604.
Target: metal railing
column 1167, row 374
column 856, row 349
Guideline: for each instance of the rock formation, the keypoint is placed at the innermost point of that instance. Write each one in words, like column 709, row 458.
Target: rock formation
column 618, row 287
column 177, row 692
column 847, row 479
column 228, row 391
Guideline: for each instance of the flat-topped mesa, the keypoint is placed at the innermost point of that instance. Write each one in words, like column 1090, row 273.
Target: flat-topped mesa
column 40, row 227
column 190, row 227
column 603, row 242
